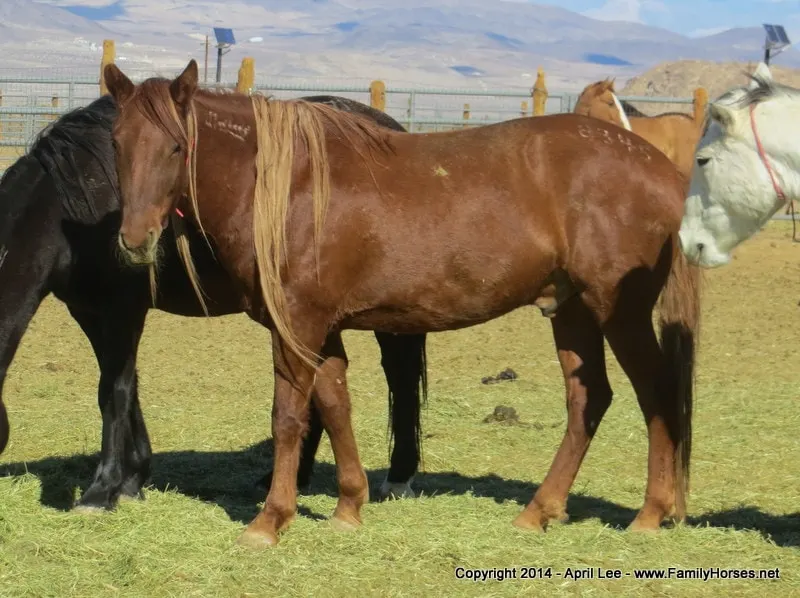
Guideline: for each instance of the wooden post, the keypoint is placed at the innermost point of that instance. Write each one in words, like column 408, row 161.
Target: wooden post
column 109, row 53
column 466, row 115
column 539, row 94
column 54, row 105
column 377, row 95
column 247, row 76
column 700, row 104
column 523, row 108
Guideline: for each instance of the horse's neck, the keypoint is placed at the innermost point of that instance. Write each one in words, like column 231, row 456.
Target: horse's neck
column 226, row 136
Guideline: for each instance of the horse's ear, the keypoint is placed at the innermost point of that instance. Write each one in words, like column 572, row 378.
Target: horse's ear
column 119, row 86
column 722, row 114
column 182, row 89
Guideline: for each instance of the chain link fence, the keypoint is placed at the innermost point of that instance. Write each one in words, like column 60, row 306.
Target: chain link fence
column 28, row 104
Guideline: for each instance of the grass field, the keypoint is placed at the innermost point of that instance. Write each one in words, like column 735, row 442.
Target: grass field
column 206, row 390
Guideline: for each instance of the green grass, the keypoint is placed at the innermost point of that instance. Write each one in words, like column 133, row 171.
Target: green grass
column 206, row 389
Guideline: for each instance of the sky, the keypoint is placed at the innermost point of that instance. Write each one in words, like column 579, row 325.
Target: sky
column 694, row 17
column 688, row 17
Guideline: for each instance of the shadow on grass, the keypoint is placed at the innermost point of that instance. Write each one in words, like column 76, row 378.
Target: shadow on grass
column 232, row 481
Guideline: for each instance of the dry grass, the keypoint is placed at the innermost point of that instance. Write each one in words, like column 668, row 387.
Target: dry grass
column 206, row 389
column 9, row 155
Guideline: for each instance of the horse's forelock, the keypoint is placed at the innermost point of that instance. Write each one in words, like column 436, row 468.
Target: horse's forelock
column 153, row 100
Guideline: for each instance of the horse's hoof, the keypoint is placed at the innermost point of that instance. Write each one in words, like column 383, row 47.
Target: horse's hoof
column 395, row 490
column 529, row 522
column 257, row 540
column 639, row 527
column 131, row 497
column 344, row 525
column 88, row 509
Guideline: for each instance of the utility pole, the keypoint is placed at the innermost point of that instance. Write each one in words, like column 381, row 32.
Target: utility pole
column 205, row 70
column 225, row 40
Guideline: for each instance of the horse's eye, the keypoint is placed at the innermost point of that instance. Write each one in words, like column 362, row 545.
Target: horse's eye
column 176, row 149
column 702, row 161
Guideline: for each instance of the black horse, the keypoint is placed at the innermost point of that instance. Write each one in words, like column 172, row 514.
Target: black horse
column 59, row 219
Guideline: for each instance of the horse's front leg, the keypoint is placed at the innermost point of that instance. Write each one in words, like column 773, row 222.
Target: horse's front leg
column 333, row 404
column 125, row 448
column 28, row 258
column 294, row 380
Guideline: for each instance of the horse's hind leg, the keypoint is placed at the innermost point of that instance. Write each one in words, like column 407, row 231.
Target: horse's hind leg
column 579, row 343
column 125, row 448
column 403, row 362
column 633, row 340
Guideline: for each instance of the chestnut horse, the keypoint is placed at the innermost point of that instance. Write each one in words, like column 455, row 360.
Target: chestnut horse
column 674, row 133
column 327, row 222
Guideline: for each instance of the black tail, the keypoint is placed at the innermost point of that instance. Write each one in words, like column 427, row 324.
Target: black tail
column 679, row 322
column 404, row 361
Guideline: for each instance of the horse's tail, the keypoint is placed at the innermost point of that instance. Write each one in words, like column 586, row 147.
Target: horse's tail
column 4, row 427
column 679, row 323
column 406, row 369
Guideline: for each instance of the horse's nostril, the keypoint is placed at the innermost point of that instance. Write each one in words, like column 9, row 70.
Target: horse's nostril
column 700, row 247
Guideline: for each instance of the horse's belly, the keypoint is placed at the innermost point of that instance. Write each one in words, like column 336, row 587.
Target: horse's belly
column 433, row 302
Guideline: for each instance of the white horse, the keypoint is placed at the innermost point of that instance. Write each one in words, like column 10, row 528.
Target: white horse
column 747, row 165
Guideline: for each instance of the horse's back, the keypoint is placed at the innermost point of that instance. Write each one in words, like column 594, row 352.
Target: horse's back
column 497, row 208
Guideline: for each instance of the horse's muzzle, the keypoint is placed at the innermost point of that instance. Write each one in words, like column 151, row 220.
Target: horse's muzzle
column 142, row 253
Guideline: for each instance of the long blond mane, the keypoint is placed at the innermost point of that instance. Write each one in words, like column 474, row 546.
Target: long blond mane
column 281, row 127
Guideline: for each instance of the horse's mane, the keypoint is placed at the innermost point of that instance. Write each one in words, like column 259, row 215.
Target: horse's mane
column 57, row 148
column 279, row 124
column 673, row 113
column 12, row 202
column 54, row 154
column 348, row 105
column 764, row 89
column 630, row 109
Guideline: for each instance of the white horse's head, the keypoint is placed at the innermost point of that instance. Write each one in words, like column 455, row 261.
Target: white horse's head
column 736, row 187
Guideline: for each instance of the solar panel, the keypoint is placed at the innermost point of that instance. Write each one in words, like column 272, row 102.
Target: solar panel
column 776, row 35
column 772, row 35
column 224, row 36
column 784, row 39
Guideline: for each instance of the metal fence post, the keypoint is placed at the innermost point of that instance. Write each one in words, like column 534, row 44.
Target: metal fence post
column 411, row 107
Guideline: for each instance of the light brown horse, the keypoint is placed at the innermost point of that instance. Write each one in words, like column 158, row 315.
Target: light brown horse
column 327, row 222
column 674, row 133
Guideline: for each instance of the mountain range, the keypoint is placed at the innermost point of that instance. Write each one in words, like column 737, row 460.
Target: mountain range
column 464, row 43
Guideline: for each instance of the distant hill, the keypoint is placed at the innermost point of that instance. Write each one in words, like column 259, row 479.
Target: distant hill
column 681, row 78
column 463, row 43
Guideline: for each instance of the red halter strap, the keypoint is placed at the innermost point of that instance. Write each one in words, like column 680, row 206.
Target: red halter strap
column 762, row 154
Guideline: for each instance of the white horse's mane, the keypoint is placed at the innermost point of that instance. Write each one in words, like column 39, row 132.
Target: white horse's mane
column 761, row 89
